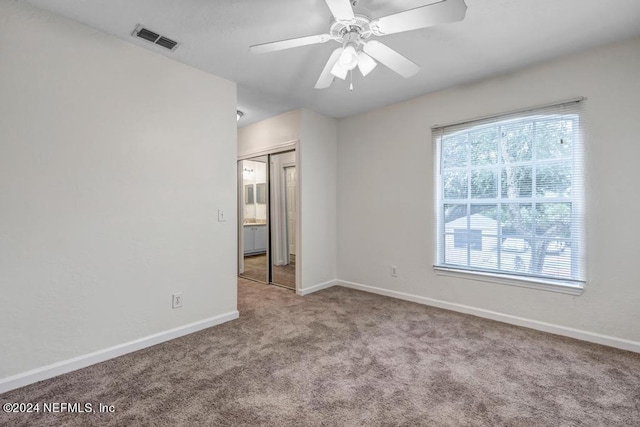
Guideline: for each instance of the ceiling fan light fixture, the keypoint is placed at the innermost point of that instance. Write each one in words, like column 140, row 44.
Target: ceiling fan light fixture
column 365, row 63
column 339, row 70
column 349, row 57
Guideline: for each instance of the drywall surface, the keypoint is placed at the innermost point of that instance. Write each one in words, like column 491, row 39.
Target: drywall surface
column 113, row 163
column 318, row 158
column 386, row 191
column 269, row 134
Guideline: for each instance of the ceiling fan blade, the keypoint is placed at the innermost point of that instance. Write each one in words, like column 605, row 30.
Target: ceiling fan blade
column 441, row 12
column 326, row 78
column 341, row 9
column 289, row 43
column 391, row 59
column 366, row 64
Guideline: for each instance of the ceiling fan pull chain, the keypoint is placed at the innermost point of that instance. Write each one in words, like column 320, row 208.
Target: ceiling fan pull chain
column 351, row 84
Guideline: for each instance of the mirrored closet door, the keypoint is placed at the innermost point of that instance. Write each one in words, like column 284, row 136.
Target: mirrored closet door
column 253, row 218
column 283, row 217
column 267, row 219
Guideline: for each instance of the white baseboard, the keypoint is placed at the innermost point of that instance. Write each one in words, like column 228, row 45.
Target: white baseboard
column 316, row 288
column 59, row 368
column 593, row 337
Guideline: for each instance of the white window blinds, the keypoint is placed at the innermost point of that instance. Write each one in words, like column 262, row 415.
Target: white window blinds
column 510, row 195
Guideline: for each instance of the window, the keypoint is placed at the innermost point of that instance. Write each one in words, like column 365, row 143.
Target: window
column 248, row 194
column 261, row 193
column 510, row 196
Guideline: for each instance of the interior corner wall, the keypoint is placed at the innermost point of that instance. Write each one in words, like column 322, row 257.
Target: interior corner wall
column 386, row 192
column 113, row 163
column 317, row 174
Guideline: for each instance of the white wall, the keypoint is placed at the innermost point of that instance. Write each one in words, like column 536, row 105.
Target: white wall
column 316, row 167
column 318, row 175
column 270, row 133
column 113, row 163
column 386, row 194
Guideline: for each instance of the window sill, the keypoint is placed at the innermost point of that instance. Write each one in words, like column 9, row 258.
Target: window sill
column 531, row 283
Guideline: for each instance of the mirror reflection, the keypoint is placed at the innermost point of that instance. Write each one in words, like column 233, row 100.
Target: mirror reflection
column 254, row 220
column 267, row 214
column 283, row 217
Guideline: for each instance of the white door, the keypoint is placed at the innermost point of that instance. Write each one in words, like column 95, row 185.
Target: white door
column 290, row 191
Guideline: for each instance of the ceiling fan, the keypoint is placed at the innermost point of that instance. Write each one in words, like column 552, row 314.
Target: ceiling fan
column 353, row 30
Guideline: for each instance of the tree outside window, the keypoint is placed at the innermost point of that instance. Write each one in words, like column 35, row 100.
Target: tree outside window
column 518, row 182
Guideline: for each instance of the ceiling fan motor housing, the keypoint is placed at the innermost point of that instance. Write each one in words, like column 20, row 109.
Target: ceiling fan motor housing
column 351, row 37
column 343, row 31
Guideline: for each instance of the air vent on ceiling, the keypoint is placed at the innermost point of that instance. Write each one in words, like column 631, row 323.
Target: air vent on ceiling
column 154, row 38
column 165, row 42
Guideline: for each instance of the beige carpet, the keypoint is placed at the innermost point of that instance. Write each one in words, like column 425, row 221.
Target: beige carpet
column 341, row 357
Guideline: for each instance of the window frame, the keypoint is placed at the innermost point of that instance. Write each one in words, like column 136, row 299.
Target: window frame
column 575, row 285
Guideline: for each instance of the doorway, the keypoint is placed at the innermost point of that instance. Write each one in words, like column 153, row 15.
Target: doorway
column 267, row 188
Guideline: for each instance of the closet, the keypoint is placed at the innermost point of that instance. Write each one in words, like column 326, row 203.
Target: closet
column 267, row 214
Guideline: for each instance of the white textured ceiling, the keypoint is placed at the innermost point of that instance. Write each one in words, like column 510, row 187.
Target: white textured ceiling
column 496, row 36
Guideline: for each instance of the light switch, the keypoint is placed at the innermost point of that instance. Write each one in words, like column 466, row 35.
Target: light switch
column 221, row 217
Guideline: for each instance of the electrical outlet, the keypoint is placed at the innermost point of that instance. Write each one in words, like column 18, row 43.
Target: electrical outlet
column 176, row 300
column 394, row 271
